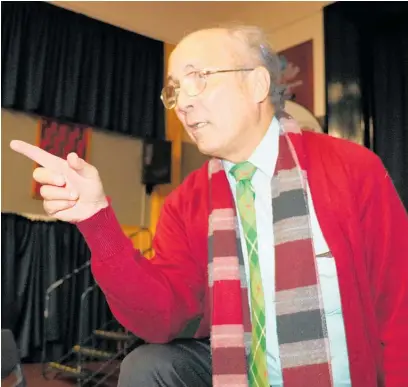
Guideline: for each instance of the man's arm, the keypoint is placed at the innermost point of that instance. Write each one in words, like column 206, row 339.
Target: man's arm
column 385, row 227
column 155, row 299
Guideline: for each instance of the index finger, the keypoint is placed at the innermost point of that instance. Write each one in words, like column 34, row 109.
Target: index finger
column 38, row 155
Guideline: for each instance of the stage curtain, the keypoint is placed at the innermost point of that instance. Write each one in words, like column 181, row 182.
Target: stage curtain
column 367, row 80
column 35, row 254
column 174, row 133
column 390, row 100
column 64, row 65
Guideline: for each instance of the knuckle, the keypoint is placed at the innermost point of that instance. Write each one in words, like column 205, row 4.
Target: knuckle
column 42, row 175
column 44, row 191
column 37, row 173
column 94, row 170
column 51, row 207
column 47, row 207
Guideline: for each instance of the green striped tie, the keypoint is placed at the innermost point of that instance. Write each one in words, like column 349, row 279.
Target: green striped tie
column 243, row 173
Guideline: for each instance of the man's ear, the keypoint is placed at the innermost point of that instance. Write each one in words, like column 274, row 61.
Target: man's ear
column 261, row 81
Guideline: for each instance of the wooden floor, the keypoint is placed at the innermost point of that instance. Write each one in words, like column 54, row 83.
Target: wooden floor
column 34, row 378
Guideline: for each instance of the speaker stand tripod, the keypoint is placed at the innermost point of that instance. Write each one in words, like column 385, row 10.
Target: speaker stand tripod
column 146, row 192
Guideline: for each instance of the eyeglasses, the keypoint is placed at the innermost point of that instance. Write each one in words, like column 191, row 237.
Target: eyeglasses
column 193, row 84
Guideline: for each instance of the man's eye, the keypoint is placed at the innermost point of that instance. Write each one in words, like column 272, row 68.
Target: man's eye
column 192, row 74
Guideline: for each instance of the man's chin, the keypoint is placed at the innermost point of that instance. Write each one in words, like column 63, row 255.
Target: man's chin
column 207, row 149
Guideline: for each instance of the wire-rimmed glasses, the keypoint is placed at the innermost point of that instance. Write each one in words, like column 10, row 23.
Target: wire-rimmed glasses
column 193, row 84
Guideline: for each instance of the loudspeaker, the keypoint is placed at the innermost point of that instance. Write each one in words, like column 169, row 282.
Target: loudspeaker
column 156, row 162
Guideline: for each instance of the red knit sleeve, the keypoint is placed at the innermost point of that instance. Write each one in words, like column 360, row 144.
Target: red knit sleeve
column 385, row 227
column 155, row 299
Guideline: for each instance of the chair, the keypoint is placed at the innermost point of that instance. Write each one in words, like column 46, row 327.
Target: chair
column 10, row 359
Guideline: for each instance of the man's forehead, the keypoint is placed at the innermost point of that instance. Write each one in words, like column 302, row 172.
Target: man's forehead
column 202, row 49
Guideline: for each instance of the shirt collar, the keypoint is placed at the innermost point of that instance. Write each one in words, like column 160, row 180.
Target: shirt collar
column 266, row 153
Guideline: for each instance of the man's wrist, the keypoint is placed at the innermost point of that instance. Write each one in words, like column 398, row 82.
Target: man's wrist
column 105, row 202
column 100, row 205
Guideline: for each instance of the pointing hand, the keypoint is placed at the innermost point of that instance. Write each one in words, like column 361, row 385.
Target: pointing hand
column 72, row 189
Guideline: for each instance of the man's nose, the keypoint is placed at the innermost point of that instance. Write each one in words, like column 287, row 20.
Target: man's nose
column 184, row 101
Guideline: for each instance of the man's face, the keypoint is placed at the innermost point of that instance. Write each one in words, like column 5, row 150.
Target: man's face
column 218, row 118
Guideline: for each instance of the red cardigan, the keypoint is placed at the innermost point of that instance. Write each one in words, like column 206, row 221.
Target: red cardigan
column 361, row 217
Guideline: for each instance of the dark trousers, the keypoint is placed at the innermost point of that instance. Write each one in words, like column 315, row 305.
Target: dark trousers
column 181, row 363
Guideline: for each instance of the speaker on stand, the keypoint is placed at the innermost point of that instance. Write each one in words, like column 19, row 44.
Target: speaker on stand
column 156, row 168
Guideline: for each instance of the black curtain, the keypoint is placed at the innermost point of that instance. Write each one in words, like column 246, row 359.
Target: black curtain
column 35, row 254
column 64, row 65
column 366, row 59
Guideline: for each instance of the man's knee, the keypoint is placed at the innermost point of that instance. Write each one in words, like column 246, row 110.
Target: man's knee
column 177, row 364
column 142, row 366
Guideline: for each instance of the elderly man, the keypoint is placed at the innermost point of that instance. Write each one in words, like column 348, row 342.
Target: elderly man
column 282, row 261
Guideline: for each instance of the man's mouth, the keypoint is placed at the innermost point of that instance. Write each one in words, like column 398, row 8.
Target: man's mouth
column 197, row 125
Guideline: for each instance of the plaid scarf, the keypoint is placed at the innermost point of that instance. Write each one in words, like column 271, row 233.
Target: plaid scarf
column 301, row 325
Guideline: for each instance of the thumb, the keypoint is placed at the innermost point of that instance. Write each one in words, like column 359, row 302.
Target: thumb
column 81, row 166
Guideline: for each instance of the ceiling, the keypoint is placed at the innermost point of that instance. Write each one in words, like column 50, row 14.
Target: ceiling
column 169, row 21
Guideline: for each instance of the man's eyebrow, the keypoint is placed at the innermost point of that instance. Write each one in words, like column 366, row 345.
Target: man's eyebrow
column 190, row 67
column 187, row 69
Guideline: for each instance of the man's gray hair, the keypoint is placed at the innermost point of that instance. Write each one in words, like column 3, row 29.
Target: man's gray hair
column 259, row 48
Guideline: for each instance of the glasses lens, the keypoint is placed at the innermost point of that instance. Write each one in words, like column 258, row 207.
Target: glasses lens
column 194, row 83
column 169, row 96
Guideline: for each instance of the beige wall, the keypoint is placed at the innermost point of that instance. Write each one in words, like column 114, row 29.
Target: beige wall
column 151, row 18
column 310, row 27
column 191, row 159
column 117, row 158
